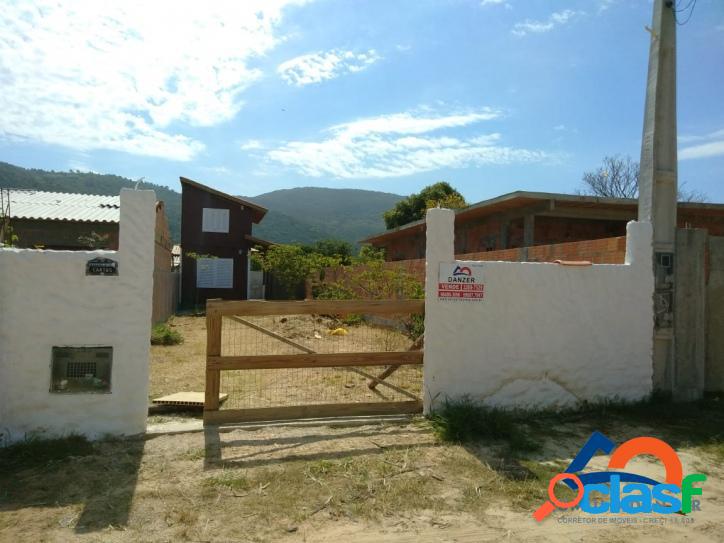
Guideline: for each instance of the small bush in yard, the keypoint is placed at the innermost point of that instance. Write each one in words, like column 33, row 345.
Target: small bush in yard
column 163, row 334
column 465, row 420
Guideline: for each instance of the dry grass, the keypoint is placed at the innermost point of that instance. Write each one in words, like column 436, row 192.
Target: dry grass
column 263, row 483
column 188, row 487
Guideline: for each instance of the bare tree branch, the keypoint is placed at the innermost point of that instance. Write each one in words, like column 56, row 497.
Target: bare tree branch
column 618, row 177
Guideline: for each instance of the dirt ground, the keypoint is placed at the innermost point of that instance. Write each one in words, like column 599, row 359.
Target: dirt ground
column 364, row 482
column 180, row 368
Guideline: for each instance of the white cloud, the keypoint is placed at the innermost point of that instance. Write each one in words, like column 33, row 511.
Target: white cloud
column 688, row 138
column 251, row 145
column 221, row 170
column 704, row 150
column 604, row 5
column 713, row 145
column 530, row 26
column 123, row 75
column 317, row 67
column 491, row 2
column 399, row 144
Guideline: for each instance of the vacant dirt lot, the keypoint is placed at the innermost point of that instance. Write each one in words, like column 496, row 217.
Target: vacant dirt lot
column 178, row 368
column 368, row 482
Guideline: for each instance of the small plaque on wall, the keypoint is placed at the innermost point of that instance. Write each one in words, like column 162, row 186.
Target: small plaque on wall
column 101, row 266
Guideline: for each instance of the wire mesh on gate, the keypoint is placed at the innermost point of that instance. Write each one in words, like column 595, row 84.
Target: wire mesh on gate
column 300, row 334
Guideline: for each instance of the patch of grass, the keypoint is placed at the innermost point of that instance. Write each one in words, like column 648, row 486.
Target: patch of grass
column 486, row 479
column 229, row 479
column 34, row 452
column 681, row 424
column 163, row 334
column 465, row 420
column 715, row 449
column 695, row 423
column 364, row 487
column 353, row 319
column 193, row 454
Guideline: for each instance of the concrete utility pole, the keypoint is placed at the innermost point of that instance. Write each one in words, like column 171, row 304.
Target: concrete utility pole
column 658, row 183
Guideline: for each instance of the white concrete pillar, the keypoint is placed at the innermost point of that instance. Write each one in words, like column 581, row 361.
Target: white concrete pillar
column 440, row 247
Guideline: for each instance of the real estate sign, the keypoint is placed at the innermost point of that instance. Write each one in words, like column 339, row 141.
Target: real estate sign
column 460, row 281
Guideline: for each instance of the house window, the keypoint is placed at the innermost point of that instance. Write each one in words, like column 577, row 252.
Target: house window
column 215, row 220
column 81, row 369
column 215, row 273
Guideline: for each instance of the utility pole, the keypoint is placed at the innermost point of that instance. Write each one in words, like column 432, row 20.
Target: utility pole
column 658, row 183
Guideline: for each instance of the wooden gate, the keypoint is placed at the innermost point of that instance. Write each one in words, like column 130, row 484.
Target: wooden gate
column 335, row 346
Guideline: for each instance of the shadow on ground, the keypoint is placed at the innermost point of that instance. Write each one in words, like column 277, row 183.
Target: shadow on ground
column 224, row 449
column 97, row 478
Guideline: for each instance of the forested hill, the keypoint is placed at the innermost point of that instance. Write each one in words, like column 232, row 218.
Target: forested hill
column 298, row 215
column 308, row 214
column 89, row 183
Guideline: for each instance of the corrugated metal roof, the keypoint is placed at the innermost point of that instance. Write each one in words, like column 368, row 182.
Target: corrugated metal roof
column 60, row 206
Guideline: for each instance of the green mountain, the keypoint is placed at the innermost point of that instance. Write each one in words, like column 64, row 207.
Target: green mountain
column 299, row 215
column 308, row 214
column 16, row 177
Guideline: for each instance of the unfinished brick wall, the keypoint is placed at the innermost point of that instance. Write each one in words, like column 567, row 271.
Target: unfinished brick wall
column 598, row 251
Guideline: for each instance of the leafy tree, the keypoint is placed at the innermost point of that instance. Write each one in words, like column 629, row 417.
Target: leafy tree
column 414, row 206
column 370, row 278
column 292, row 265
column 369, row 252
column 618, row 177
column 333, row 248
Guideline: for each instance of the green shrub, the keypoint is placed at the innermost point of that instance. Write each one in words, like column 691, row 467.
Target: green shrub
column 163, row 334
column 465, row 420
column 371, row 279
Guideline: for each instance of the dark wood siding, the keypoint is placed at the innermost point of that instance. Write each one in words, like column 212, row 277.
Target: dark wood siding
column 222, row 245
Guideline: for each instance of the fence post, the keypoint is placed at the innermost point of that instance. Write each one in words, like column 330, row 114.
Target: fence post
column 213, row 348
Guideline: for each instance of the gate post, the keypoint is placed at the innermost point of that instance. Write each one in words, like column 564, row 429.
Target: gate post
column 213, row 348
column 440, row 247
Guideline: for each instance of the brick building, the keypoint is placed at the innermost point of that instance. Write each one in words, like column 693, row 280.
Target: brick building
column 527, row 219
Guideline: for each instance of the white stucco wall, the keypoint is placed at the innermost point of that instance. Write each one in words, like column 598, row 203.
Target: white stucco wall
column 47, row 300
column 544, row 334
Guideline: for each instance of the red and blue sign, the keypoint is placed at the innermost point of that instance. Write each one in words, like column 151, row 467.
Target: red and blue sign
column 460, row 281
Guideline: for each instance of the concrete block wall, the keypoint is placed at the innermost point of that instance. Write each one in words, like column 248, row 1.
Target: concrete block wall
column 715, row 316
column 545, row 335
column 47, row 300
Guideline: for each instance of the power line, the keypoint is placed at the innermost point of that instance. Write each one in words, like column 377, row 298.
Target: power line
column 676, row 8
column 692, row 5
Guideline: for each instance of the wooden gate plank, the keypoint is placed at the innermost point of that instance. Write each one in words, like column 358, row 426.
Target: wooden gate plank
column 317, row 360
column 228, row 416
column 314, row 307
column 213, row 348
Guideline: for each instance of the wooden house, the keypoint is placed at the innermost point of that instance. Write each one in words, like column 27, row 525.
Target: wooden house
column 216, row 238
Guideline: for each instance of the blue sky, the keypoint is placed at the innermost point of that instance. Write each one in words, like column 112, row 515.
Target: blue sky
column 490, row 95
